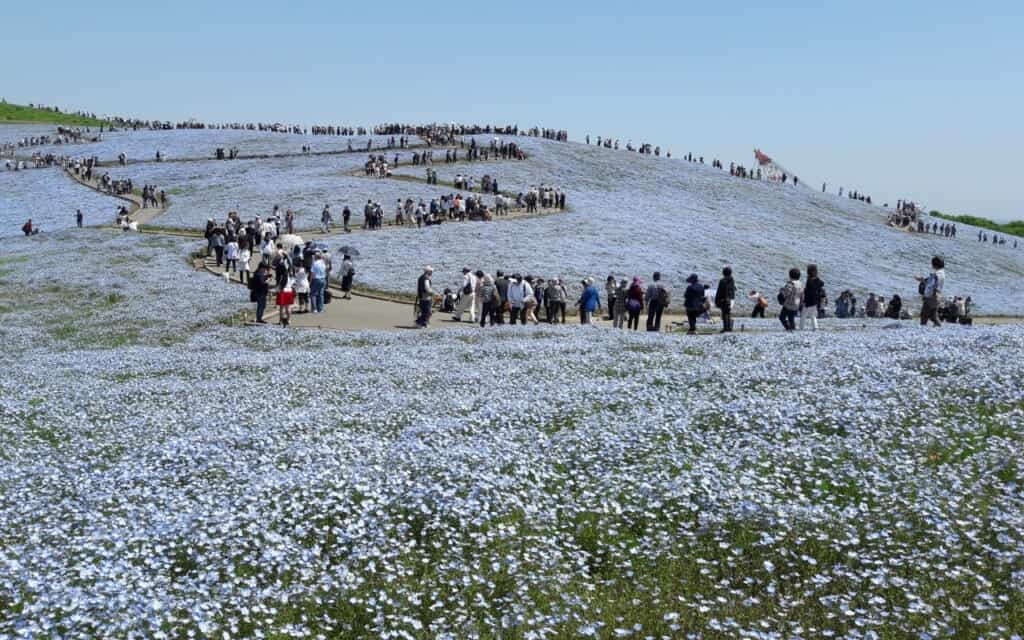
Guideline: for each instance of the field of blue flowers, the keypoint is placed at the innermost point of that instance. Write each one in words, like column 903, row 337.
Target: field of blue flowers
column 167, row 474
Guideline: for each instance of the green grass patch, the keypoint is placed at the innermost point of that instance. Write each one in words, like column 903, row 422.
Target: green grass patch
column 17, row 113
column 1014, row 228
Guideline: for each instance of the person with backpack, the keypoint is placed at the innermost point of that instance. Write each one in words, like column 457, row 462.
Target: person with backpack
column 725, row 296
column 694, row 302
column 348, row 272
column 813, row 294
column 557, row 298
column 424, row 298
column 634, row 303
column 930, row 289
column 790, row 297
column 657, row 299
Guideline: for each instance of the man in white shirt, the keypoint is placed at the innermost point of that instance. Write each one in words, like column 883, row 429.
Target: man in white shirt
column 467, row 297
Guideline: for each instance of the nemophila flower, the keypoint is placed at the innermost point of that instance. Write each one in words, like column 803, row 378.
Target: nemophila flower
column 164, row 473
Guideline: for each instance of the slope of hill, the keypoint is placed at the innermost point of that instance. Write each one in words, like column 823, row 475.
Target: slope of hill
column 633, row 215
column 16, row 113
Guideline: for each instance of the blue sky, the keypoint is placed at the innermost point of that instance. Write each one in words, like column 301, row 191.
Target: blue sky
column 898, row 99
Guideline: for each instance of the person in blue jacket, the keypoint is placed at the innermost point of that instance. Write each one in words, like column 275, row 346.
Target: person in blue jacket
column 590, row 302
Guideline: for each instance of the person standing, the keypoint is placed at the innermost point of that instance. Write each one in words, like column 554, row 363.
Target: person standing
column 590, row 302
column 609, row 290
column 346, row 216
column 501, row 283
column 813, row 292
column 516, row 296
column 424, row 297
column 260, row 286
column 348, row 272
column 489, row 300
column 231, row 255
column 557, row 298
column 619, row 311
column 725, row 296
column 78, row 218
column 790, row 297
column 634, row 303
column 467, row 296
column 694, row 302
column 931, row 291
column 657, row 299
column 285, row 300
column 318, row 282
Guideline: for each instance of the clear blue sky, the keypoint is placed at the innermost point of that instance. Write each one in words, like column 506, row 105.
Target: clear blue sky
column 914, row 99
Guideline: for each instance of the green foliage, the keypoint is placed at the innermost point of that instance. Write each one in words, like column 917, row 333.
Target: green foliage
column 1014, row 228
column 12, row 113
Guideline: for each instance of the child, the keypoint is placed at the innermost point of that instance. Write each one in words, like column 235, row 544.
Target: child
column 285, row 300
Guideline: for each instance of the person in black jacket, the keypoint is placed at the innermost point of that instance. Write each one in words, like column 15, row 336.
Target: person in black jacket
column 693, row 299
column 724, row 296
column 260, row 288
column 813, row 292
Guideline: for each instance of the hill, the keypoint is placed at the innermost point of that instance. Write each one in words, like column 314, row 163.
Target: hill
column 1014, row 228
column 20, row 114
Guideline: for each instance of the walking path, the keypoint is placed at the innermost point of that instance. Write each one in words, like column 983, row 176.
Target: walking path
column 365, row 311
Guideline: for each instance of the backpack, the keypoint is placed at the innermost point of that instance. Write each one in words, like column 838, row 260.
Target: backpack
column 664, row 297
column 782, row 295
column 467, row 289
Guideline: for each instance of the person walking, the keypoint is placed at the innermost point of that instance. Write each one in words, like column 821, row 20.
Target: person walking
column 657, row 299
column 424, row 297
column 725, row 296
column 79, row 218
column 790, row 297
column 694, row 302
column 634, row 303
column 348, row 272
column 619, row 312
column 231, row 256
column 325, row 219
column 813, row 292
column 930, row 289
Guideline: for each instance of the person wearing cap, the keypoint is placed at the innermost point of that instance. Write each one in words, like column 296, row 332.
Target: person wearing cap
column 467, row 296
column 348, row 271
column 318, row 282
column 424, row 297
column 589, row 302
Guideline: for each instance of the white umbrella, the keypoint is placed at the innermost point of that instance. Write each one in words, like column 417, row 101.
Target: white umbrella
column 290, row 240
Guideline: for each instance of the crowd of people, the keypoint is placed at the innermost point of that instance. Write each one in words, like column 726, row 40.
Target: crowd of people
column 499, row 299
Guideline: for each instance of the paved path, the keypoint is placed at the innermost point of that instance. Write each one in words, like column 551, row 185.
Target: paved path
column 136, row 211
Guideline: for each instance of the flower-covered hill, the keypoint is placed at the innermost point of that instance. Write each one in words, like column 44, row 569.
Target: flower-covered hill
column 634, row 214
